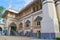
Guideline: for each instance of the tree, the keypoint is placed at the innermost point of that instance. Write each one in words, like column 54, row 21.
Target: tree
column 1, row 11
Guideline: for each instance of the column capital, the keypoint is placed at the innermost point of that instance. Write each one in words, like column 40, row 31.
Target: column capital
column 57, row 2
column 47, row 1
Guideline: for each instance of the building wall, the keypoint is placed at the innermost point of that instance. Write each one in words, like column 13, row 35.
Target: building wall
column 49, row 22
column 12, row 15
column 31, row 18
column 30, row 10
column 2, row 26
column 58, row 12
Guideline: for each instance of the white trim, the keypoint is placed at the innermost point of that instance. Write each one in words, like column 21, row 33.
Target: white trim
column 13, row 10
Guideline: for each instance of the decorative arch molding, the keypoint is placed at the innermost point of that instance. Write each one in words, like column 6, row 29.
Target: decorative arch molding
column 20, row 25
column 13, row 26
column 38, row 17
column 27, row 23
column 37, row 20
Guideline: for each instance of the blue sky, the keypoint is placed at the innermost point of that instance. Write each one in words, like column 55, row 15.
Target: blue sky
column 16, row 4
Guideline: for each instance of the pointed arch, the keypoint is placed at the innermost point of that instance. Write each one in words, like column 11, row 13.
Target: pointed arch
column 13, row 26
column 27, row 23
column 38, row 20
column 21, row 25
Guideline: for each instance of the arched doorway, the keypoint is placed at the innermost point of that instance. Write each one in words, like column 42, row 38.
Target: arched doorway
column 0, row 31
column 38, row 24
column 13, row 29
column 38, row 34
column 27, row 34
column 13, row 26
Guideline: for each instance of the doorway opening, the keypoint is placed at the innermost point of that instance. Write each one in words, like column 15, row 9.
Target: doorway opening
column 0, row 31
column 13, row 29
column 38, row 34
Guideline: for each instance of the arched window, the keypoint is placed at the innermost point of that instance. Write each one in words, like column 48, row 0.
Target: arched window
column 28, row 23
column 37, row 8
column 37, row 20
column 34, row 9
column 20, row 25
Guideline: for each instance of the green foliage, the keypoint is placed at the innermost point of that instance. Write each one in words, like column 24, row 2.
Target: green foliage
column 1, row 9
column 0, row 15
column 57, row 38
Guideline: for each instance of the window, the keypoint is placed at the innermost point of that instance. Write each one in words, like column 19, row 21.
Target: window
column 28, row 23
column 21, row 25
column 33, row 9
column 37, row 8
column 38, row 23
column 37, row 20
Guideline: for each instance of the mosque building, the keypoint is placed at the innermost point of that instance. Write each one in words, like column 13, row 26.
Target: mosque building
column 40, row 18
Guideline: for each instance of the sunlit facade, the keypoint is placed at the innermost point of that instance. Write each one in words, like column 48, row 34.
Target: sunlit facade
column 39, row 19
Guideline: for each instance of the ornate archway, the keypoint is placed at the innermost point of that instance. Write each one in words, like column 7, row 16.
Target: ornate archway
column 13, row 29
column 13, row 26
column 27, row 23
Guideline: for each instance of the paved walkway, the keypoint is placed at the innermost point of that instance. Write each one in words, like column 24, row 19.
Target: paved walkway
column 19, row 38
